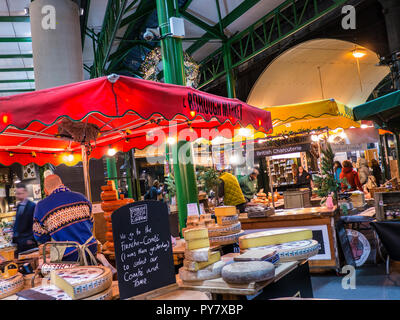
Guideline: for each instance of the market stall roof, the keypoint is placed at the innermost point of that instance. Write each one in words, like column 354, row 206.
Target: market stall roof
column 126, row 112
column 313, row 115
column 385, row 111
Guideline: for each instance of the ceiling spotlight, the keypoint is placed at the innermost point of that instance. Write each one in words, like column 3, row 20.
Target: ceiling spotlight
column 111, row 152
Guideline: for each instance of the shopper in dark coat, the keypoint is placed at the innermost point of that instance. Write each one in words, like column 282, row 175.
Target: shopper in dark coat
column 303, row 178
column 376, row 172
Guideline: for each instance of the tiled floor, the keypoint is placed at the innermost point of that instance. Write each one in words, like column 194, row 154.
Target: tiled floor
column 371, row 283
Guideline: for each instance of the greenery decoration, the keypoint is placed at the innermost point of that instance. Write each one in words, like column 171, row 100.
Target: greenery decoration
column 209, row 179
column 170, row 182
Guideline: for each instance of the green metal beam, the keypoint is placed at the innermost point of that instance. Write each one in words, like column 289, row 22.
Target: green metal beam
column 17, row 81
column 15, row 69
column 14, row 19
column 187, row 4
column 266, row 32
column 16, row 90
column 231, row 17
column 16, row 39
column 196, row 21
column 15, row 56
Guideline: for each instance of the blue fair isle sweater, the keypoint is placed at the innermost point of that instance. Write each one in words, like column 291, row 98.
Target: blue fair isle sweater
column 64, row 216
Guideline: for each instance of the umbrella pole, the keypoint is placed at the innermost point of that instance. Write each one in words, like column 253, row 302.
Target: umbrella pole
column 86, row 178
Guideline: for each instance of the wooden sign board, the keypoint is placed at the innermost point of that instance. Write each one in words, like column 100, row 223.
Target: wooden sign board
column 143, row 248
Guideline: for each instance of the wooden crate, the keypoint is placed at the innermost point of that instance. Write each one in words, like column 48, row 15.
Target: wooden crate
column 385, row 201
column 296, row 199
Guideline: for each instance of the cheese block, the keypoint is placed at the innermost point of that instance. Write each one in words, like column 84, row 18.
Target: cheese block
column 224, row 211
column 246, row 272
column 195, row 266
column 111, row 205
column 194, row 218
column 51, row 292
column 82, row 282
column 223, row 221
column 256, row 255
column 271, row 237
column 197, row 244
column 229, row 239
column 46, row 268
column 211, row 272
column 11, row 285
column 195, row 233
column 109, row 195
column 205, row 216
column 295, row 250
column 199, row 255
column 218, row 230
column 109, row 236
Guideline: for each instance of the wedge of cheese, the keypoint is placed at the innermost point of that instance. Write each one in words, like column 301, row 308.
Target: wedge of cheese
column 218, row 230
column 199, row 255
column 271, row 237
column 82, row 282
column 195, row 233
column 224, row 211
column 223, row 221
column 195, row 266
column 197, row 244
column 213, row 271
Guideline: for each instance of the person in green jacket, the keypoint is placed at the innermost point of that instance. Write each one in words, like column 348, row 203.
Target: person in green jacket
column 248, row 184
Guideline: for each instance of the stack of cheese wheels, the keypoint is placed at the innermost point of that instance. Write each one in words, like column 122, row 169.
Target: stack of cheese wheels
column 228, row 228
column 11, row 285
column 200, row 263
column 290, row 244
column 110, row 203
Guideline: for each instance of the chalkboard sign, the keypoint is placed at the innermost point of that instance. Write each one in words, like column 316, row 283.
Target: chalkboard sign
column 143, row 248
column 344, row 243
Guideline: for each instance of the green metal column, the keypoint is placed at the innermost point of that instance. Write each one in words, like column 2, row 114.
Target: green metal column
column 230, row 77
column 174, row 72
column 112, row 170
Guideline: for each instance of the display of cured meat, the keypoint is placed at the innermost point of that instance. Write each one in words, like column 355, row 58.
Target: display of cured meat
column 110, row 203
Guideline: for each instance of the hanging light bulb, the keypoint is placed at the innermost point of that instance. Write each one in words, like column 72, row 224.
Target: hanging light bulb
column 171, row 140
column 70, row 157
column 111, row 151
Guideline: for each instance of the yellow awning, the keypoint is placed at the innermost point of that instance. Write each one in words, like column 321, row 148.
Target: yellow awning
column 311, row 116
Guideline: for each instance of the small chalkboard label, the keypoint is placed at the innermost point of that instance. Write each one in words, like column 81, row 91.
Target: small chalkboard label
column 143, row 248
column 344, row 243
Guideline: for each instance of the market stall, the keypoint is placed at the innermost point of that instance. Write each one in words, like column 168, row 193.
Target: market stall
column 85, row 120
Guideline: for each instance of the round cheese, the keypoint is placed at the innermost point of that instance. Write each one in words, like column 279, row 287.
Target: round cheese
column 295, row 250
column 218, row 230
column 195, row 233
column 211, row 272
column 82, row 282
column 109, row 195
column 249, row 271
column 228, row 239
column 11, row 285
column 199, row 255
column 223, row 221
column 111, row 205
column 46, row 268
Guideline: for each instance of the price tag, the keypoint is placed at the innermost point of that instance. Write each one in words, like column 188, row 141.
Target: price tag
column 192, row 209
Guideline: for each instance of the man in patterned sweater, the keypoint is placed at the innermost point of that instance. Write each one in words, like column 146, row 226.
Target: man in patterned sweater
column 64, row 216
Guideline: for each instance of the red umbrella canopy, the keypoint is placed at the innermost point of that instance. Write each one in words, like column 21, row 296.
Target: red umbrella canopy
column 48, row 125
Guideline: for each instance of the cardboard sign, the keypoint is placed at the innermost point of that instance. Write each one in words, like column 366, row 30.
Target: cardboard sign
column 192, row 209
column 143, row 248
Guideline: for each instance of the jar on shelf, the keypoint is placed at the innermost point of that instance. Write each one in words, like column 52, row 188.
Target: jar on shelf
column 389, row 214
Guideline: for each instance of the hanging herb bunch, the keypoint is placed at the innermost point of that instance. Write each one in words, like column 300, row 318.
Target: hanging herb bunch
column 326, row 183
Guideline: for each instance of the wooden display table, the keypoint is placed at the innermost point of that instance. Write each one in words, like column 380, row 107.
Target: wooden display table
column 320, row 220
column 221, row 289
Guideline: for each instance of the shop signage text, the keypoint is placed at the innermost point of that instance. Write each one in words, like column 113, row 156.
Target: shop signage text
column 273, row 151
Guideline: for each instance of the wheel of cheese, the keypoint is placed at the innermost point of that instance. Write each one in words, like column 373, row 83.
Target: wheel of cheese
column 109, row 236
column 218, row 230
column 109, row 226
column 107, row 216
column 249, row 271
column 46, row 268
column 228, row 239
column 223, row 211
column 107, row 188
column 111, row 205
column 295, row 250
column 82, row 282
column 211, row 272
column 109, row 195
column 199, row 255
column 11, row 285
column 223, row 221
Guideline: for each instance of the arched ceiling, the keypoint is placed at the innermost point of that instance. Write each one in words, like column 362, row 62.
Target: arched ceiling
column 315, row 70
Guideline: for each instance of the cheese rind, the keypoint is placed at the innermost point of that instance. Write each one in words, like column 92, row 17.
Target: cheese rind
column 197, row 244
column 227, row 220
column 195, row 233
column 211, row 272
column 271, row 237
column 11, row 285
column 199, row 255
column 195, row 265
column 246, row 272
column 57, row 294
column 218, row 230
column 225, row 211
column 228, row 239
column 82, row 282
